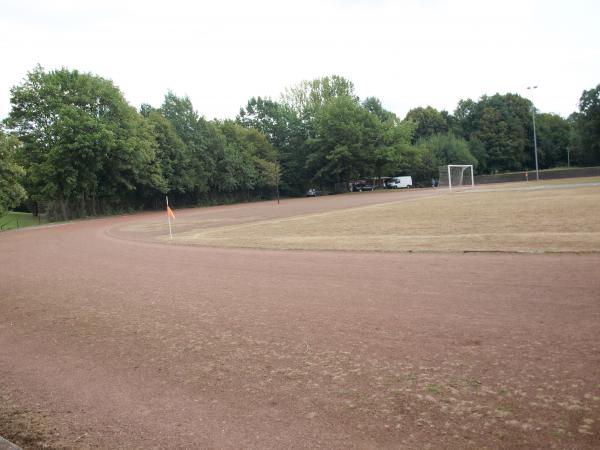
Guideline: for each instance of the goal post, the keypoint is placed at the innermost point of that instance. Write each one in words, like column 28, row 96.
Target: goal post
column 457, row 175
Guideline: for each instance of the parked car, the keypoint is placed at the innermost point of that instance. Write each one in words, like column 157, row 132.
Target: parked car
column 312, row 192
column 399, row 182
column 361, row 185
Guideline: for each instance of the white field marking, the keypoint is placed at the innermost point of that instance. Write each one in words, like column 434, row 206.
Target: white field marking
column 532, row 188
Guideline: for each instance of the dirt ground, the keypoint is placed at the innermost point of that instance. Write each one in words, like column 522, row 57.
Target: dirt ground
column 110, row 340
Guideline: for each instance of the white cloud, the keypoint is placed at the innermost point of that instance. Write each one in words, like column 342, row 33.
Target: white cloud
column 407, row 53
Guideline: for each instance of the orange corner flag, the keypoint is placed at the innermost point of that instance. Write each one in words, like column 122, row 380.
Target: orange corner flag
column 170, row 212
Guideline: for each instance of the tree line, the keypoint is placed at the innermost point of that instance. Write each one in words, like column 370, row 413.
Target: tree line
column 72, row 144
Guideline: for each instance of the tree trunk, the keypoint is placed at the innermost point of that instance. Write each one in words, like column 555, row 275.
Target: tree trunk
column 63, row 208
column 82, row 206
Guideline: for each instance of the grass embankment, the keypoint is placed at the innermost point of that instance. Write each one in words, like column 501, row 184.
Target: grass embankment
column 19, row 220
column 548, row 220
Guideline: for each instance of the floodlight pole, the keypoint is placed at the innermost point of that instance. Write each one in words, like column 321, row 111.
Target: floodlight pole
column 537, row 172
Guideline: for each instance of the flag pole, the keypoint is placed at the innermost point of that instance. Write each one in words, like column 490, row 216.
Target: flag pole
column 169, row 217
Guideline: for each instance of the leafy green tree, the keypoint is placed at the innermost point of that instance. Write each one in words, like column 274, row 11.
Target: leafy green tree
column 501, row 153
column 394, row 154
column 234, row 172
column 82, row 142
column 285, row 130
column 439, row 150
column 500, row 130
column 253, row 158
column 290, row 125
column 172, row 153
column 553, row 133
column 11, row 191
column 307, row 97
column 465, row 118
column 275, row 120
column 373, row 105
column 194, row 131
column 302, row 128
column 345, row 142
column 428, row 121
column 479, row 152
column 585, row 141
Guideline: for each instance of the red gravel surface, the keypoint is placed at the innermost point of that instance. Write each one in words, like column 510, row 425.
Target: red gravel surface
column 107, row 341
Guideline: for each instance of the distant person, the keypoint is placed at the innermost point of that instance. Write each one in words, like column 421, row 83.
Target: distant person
column 433, row 182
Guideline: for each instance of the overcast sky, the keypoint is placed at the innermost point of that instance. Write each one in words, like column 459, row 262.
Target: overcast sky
column 221, row 53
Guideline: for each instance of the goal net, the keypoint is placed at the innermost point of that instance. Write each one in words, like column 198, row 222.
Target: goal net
column 456, row 175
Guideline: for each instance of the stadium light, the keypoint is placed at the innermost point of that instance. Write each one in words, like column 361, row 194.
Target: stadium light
column 537, row 172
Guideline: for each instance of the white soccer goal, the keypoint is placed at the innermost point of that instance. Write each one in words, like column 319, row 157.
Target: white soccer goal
column 456, row 175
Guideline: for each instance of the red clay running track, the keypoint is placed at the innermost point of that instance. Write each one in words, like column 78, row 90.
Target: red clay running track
column 107, row 342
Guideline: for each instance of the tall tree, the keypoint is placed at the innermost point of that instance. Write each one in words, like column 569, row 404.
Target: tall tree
column 290, row 124
column 439, row 150
column 252, row 158
column 275, row 120
column 586, row 136
column 172, row 153
column 394, row 153
column 82, row 141
column 345, row 141
column 194, row 132
column 499, row 129
column 374, row 106
column 285, row 130
column 465, row 118
column 11, row 174
column 306, row 100
column 428, row 121
column 307, row 97
column 553, row 133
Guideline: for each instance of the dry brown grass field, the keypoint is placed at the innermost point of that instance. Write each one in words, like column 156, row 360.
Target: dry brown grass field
column 546, row 220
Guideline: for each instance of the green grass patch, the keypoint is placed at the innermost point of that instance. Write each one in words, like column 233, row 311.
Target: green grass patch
column 434, row 388
column 14, row 219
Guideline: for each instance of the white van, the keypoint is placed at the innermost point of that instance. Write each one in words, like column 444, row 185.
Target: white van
column 399, row 182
